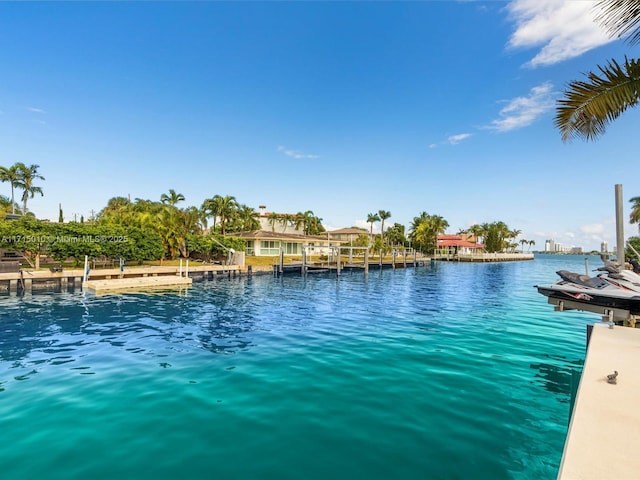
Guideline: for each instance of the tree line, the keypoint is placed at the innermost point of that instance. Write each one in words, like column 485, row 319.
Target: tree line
column 162, row 229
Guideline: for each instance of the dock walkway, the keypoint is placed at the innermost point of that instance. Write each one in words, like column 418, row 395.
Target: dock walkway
column 28, row 280
column 605, row 425
column 138, row 283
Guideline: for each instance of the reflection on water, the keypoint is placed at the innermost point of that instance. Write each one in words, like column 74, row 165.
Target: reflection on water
column 57, row 329
column 560, row 377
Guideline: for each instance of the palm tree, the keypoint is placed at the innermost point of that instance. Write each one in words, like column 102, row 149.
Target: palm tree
column 172, row 198
column 477, row 231
column 384, row 214
column 634, row 216
column 26, row 176
column 12, row 175
column 523, row 242
column 248, row 218
column 287, row 219
column 227, row 207
column 590, row 105
column 425, row 230
column 372, row 218
column 220, row 207
column 273, row 217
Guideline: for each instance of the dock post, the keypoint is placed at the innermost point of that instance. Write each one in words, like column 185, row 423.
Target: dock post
column 366, row 261
column 620, row 243
column 338, row 264
column 187, row 269
column 393, row 259
column 281, row 265
column 86, row 267
column 13, row 285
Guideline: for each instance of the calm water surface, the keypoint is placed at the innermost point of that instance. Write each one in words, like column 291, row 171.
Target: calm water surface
column 453, row 371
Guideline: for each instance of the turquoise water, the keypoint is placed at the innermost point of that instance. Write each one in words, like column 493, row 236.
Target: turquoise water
column 451, row 371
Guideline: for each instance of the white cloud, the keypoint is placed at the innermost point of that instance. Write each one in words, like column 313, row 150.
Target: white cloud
column 36, row 110
column 367, row 226
column 592, row 228
column 295, row 153
column 523, row 111
column 563, row 29
column 455, row 139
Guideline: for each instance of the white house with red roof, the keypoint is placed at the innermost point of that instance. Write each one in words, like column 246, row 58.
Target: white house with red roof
column 459, row 244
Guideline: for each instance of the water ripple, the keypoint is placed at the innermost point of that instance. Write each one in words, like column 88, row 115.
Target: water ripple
column 448, row 371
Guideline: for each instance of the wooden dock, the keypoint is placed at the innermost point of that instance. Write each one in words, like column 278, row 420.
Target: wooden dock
column 605, row 425
column 69, row 279
column 136, row 284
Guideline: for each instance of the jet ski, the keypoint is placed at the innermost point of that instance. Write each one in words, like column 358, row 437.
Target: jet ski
column 614, row 292
column 620, row 277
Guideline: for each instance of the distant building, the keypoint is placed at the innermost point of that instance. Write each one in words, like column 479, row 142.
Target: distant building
column 604, row 247
column 576, row 250
column 549, row 246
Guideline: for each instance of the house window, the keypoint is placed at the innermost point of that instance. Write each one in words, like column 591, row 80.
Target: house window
column 269, row 247
column 291, row 248
column 250, row 248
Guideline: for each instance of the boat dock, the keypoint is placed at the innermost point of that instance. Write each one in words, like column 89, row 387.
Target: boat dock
column 336, row 268
column 605, row 423
column 138, row 283
column 153, row 276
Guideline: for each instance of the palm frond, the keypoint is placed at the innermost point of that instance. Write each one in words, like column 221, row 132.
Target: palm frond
column 621, row 18
column 590, row 105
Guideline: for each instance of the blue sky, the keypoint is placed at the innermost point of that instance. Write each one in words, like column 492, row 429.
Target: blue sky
column 342, row 108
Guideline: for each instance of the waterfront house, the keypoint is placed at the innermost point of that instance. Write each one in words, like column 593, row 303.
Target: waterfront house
column 265, row 243
column 458, row 245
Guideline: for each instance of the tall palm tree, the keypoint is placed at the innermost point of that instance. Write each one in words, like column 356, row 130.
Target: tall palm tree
column 219, row 207
column 384, row 215
column 287, row 219
column 27, row 175
column 372, row 218
column 227, row 208
column 273, row 217
column 523, row 242
column 172, row 198
column 590, row 105
column 12, row 175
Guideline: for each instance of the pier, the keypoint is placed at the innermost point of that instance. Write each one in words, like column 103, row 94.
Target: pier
column 483, row 257
column 339, row 262
column 605, row 424
column 26, row 281
column 138, row 283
